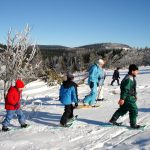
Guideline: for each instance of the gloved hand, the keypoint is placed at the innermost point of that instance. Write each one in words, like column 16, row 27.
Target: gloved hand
column 104, row 77
column 59, row 98
column 135, row 98
column 97, row 84
column 16, row 105
column 76, row 104
column 91, row 84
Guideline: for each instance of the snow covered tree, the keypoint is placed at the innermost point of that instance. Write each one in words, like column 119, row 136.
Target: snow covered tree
column 16, row 58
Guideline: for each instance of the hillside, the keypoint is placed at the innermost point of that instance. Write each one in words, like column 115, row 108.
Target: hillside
column 81, row 57
column 90, row 46
column 51, row 47
column 107, row 46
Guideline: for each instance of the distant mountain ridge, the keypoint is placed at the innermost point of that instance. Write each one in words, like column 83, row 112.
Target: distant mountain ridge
column 107, row 46
column 51, row 47
column 90, row 46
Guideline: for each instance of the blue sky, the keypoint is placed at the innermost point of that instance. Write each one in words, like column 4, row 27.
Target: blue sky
column 79, row 22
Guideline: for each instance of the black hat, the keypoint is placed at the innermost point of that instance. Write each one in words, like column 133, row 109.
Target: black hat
column 70, row 76
column 133, row 67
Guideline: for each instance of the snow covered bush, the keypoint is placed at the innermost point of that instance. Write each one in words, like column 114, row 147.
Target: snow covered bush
column 52, row 77
column 16, row 58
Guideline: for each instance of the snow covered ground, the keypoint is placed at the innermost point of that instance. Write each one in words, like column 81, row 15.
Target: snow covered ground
column 90, row 132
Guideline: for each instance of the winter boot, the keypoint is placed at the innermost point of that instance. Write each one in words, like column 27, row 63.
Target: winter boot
column 24, row 125
column 85, row 104
column 102, row 99
column 63, row 125
column 5, row 129
column 113, row 121
column 135, row 126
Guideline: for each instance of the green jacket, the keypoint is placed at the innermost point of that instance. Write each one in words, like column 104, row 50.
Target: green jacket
column 128, row 89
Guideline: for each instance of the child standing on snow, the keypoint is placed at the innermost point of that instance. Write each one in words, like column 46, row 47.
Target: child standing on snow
column 67, row 96
column 128, row 98
column 116, row 76
column 12, row 106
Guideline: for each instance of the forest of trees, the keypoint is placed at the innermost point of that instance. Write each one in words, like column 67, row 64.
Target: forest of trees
column 64, row 59
column 81, row 58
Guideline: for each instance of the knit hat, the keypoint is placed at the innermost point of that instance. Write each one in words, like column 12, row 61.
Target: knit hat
column 133, row 67
column 70, row 76
column 19, row 84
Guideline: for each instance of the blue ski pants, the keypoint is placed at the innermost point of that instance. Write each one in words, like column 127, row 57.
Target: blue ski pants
column 10, row 114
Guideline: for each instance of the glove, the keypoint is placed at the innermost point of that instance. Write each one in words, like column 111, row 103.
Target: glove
column 97, row 84
column 121, row 102
column 91, row 85
column 59, row 98
column 16, row 105
column 76, row 104
column 104, row 77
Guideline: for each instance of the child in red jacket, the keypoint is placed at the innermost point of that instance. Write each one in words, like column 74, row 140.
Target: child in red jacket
column 12, row 105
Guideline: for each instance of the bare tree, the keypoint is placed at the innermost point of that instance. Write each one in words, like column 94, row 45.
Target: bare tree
column 15, row 60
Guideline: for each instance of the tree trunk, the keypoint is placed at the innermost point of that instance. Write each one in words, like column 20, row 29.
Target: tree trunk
column 5, row 89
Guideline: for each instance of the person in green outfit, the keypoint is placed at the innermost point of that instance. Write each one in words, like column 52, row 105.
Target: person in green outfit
column 128, row 98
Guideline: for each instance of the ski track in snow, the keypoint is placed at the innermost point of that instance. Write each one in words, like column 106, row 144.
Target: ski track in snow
column 110, row 137
column 127, row 133
column 89, row 132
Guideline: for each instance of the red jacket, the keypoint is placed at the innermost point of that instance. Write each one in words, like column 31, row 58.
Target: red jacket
column 12, row 101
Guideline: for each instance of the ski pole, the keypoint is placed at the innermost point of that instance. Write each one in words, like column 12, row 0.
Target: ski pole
column 100, row 88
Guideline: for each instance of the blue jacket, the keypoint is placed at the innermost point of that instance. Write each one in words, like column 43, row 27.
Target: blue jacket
column 67, row 93
column 95, row 74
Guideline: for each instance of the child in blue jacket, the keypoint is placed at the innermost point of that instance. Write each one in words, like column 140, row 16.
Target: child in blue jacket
column 68, row 96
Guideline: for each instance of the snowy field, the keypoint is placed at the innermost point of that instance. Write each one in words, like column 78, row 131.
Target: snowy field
column 90, row 132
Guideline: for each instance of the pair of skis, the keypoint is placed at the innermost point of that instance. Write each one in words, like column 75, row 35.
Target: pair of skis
column 120, row 124
column 87, row 106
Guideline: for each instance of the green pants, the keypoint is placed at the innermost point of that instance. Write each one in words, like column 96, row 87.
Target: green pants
column 128, row 106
